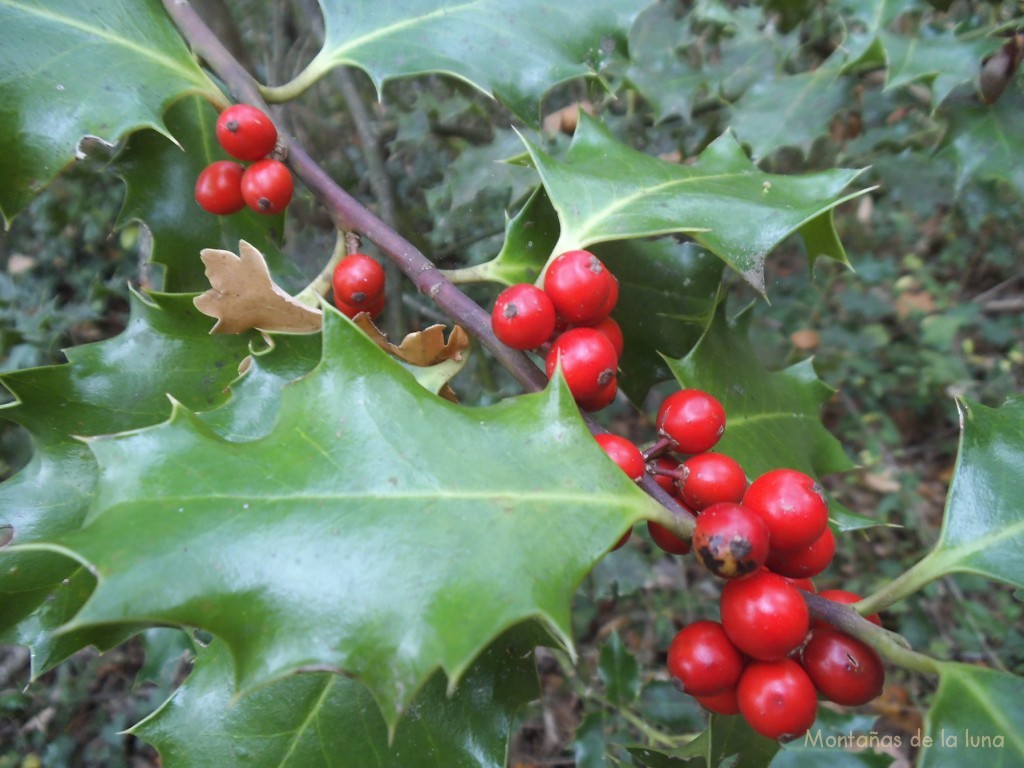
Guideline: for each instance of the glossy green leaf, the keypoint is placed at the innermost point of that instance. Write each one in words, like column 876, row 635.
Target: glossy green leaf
column 977, row 718
column 726, row 738
column 529, row 237
column 161, row 177
column 773, row 418
column 987, row 142
column 867, row 19
column 590, row 746
column 324, row 719
column 255, row 396
column 619, row 671
column 983, row 527
column 790, row 110
column 605, row 190
column 331, row 539
column 119, row 384
column 515, row 52
column 944, row 60
column 667, row 296
column 75, row 68
column 165, row 649
column 668, row 80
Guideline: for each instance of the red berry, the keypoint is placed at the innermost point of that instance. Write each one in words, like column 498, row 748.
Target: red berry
column 588, row 361
column 624, row 453
column 846, row 598
column 219, row 188
column 842, row 668
column 622, row 541
column 611, row 329
column 246, row 132
column 579, row 286
column 724, row 703
column 373, row 309
column 692, row 419
column 358, row 281
column 704, row 660
column 612, row 300
column 708, row 478
column 804, row 562
column 792, row 505
column 267, row 186
column 777, row 699
column 764, row 615
column 602, row 399
column 523, row 317
column 666, row 540
column 805, row 584
column 730, row 540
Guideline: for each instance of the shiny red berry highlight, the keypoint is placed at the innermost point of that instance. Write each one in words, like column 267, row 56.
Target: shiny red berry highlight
column 523, row 317
column 246, row 132
column 219, row 188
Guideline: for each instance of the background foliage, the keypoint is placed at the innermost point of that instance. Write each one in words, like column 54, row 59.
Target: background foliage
column 930, row 310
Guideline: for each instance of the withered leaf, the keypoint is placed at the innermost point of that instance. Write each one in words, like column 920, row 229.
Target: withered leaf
column 243, row 295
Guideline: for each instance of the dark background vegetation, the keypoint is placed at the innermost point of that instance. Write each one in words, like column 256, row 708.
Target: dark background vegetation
column 931, row 310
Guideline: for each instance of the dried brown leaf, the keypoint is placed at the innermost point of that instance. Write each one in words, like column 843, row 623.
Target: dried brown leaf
column 243, row 295
column 423, row 348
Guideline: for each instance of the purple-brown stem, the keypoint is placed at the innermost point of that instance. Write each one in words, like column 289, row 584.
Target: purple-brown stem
column 351, row 216
column 661, row 447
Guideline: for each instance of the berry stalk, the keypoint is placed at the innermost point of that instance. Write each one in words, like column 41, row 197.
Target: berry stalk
column 888, row 644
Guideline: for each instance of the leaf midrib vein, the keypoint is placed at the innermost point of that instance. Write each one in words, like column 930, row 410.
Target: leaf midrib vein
column 583, row 497
column 340, row 52
column 956, row 552
column 583, row 231
column 305, row 725
column 997, row 716
column 99, row 32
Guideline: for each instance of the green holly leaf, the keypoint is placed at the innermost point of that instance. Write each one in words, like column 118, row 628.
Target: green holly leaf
column 725, row 739
column 136, row 65
column 983, row 528
column 590, row 745
column 529, row 237
column 752, row 47
column 326, row 719
column 668, row 292
column 161, row 177
column 791, row 110
column 330, row 540
column 256, row 394
column 774, row 417
column 987, row 142
column 619, row 672
column 667, row 80
column 513, row 52
column 119, row 384
column 944, row 60
column 867, row 19
column 605, row 190
column 976, row 718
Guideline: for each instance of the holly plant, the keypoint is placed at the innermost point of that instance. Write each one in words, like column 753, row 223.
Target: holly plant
column 369, row 559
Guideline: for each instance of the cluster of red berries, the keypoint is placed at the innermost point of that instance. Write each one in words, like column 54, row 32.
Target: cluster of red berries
column 766, row 659
column 358, row 282
column 570, row 316
column 225, row 187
